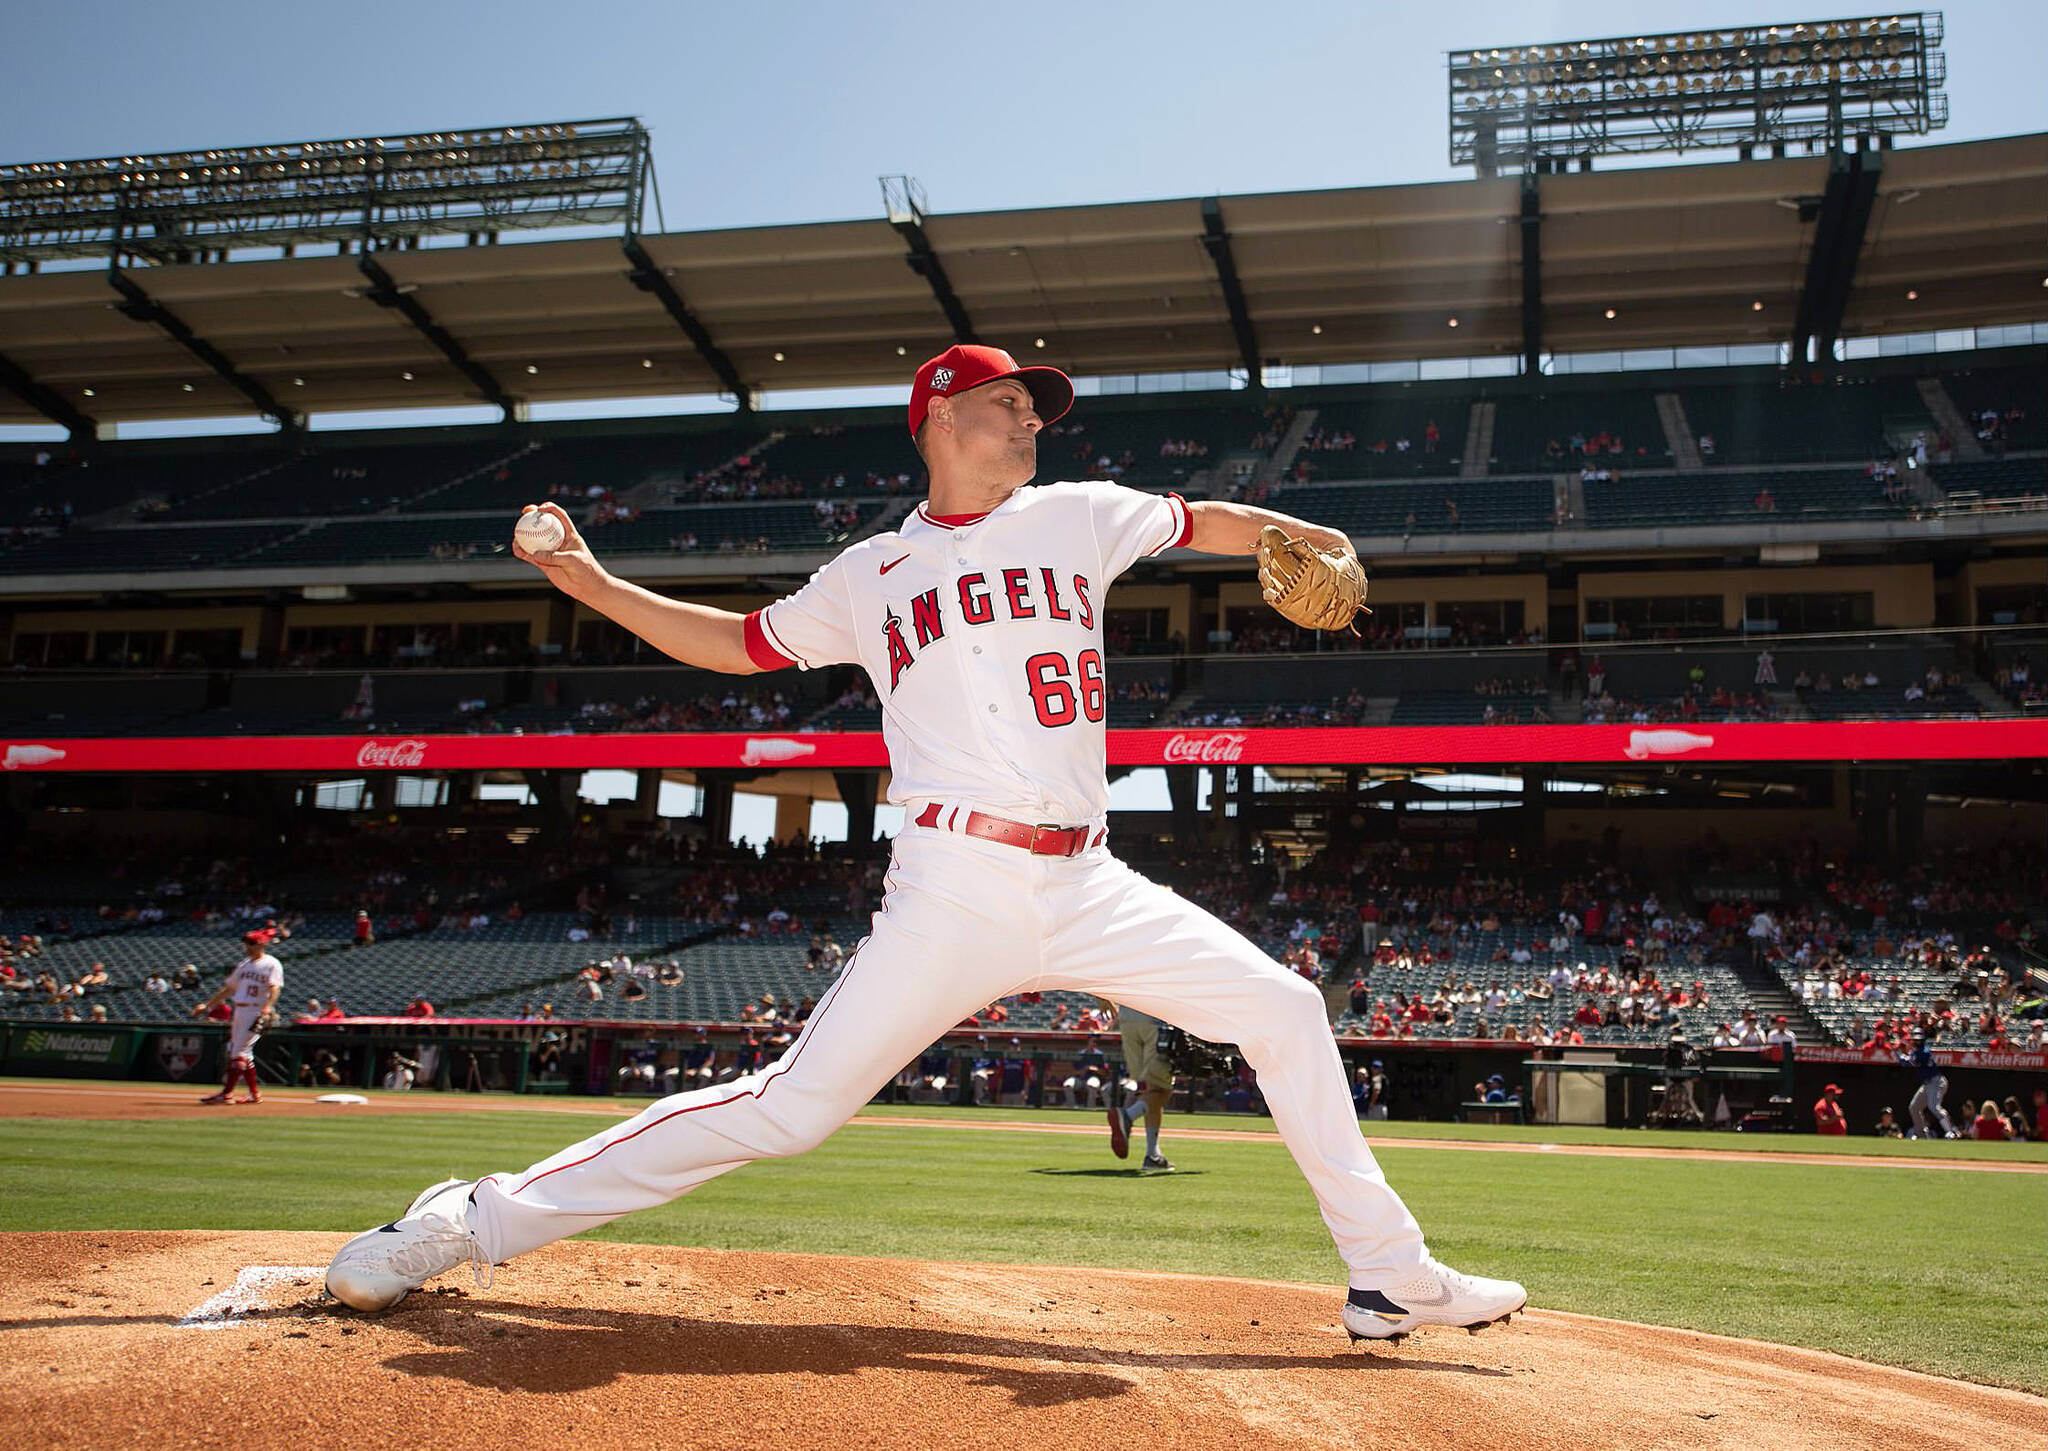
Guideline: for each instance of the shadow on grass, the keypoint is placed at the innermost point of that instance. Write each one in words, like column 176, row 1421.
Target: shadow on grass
column 1132, row 1172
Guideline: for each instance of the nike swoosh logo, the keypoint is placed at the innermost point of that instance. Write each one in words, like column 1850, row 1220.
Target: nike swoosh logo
column 894, row 562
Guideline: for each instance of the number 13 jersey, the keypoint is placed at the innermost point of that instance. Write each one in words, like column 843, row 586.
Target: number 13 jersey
column 982, row 634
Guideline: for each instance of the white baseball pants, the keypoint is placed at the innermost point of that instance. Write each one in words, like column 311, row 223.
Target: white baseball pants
column 963, row 922
column 242, row 1031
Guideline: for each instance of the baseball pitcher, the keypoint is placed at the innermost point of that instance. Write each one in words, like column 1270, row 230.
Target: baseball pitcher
column 980, row 623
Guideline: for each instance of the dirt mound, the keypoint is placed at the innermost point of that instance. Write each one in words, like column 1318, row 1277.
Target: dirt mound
column 159, row 1340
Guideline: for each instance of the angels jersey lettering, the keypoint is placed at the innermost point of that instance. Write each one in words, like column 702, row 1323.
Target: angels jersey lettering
column 253, row 979
column 983, row 637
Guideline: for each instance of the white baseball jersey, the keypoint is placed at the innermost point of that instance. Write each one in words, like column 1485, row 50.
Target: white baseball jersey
column 983, row 637
column 253, row 978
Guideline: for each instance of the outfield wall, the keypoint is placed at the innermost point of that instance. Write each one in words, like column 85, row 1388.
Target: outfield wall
column 1432, row 1082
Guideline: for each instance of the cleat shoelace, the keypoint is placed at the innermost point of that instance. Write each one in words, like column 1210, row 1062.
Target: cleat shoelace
column 439, row 1244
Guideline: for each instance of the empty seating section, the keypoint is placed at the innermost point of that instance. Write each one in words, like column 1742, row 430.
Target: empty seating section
column 1763, row 422
column 1728, row 496
column 1988, row 479
column 1360, row 438
column 1224, row 711
column 566, row 469
column 391, row 539
column 121, row 477
column 1482, row 506
column 358, row 480
column 1464, row 707
column 146, row 547
column 491, row 971
column 1148, row 444
column 1525, row 426
column 729, row 528
column 866, row 716
column 817, row 455
column 99, row 706
column 1889, row 704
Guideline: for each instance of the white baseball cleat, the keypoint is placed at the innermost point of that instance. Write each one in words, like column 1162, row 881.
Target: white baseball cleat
column 376, row 1269
column 1436, row 1295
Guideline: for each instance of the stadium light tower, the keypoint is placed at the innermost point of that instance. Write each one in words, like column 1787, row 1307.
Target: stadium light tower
column 369, row 192
column 1538, row 108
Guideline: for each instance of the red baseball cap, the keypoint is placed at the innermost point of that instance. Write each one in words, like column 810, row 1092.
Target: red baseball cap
column 970, row 365
column 260, row 937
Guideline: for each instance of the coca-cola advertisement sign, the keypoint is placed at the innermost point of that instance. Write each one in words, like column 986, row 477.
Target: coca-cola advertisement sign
column 1204, row 748
column 390, row 755
column 1980, row 740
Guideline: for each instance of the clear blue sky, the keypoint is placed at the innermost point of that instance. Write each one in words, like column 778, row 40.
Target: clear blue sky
column 775, row 112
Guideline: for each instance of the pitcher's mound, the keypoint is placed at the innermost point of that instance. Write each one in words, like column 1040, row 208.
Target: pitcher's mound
column 206, row 1339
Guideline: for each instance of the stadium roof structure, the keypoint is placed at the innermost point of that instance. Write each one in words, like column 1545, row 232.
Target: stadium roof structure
column 1675, row 256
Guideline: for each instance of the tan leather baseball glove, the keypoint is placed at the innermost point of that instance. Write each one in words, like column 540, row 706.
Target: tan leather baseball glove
column 1321, row 589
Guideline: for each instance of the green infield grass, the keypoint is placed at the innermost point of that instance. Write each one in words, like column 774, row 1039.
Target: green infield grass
column 1933, row 1269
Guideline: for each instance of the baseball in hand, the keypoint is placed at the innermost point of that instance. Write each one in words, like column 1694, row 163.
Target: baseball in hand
column 539, row 532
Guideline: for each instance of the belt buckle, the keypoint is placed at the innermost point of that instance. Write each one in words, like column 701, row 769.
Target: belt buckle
column 1039, row 829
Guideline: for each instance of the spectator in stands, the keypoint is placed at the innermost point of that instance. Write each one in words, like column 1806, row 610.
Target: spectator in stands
column 419, row 1007
column 2015, row 1119
column 1828, row 1117
column 1765, row 502
column 1887, row 1126
column 1706, row 445
column 400, row 1072
column 1989, row 1123
column 363, row 933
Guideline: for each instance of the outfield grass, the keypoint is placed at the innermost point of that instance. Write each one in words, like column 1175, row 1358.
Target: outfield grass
column 1909, row 1266
column 1719, row 1142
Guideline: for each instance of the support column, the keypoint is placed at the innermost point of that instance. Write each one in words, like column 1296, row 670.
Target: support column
column 792, row 819
column 1183, row 789
column 718, row 792
column 858, row 789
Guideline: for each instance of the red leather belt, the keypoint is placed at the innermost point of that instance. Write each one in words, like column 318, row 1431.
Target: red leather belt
column 1038, row 840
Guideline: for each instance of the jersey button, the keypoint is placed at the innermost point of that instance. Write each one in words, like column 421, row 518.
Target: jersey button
column 977, row 649
column 991, row 710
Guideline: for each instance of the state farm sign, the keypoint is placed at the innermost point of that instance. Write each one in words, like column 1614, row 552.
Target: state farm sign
column 1187, row 748
column 393, row 754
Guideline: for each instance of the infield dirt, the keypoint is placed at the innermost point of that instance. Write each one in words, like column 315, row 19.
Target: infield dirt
column 596, row 1344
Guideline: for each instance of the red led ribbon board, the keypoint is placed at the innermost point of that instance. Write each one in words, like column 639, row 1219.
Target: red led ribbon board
column 1385, row 745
